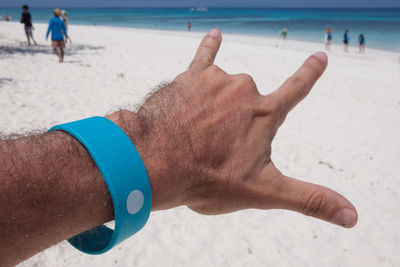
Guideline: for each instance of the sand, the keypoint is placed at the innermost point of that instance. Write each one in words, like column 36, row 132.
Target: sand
column 345, row 135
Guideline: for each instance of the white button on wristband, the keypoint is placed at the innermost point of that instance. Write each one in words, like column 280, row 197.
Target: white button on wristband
column 125, row 176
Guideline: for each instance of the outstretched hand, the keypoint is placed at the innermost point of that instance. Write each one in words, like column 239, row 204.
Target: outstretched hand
column 206, row 142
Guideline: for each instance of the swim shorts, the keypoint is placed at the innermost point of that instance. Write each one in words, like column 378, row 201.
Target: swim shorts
column 60, row 44
column 28, row 31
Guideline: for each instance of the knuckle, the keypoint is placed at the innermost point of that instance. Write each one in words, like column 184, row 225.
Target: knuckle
column 315, row 204
column 215, row 70
column 213, row 75
column 298, row 81
column 206, row 60
column 300, row 84
column 244, row 82
column 246, row 79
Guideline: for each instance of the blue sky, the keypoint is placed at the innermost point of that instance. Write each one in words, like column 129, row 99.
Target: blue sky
column 205, row 3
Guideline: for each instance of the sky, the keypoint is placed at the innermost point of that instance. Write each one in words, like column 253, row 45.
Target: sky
column 204, row 3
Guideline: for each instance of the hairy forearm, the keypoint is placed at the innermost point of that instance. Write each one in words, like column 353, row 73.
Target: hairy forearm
column 50, row 190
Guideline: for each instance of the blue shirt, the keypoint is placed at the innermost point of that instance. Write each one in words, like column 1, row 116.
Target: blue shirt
column 56, row 27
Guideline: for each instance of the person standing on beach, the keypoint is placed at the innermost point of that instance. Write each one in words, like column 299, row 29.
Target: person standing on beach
column 5, row 17
column 361, row 43
column 58, row 31
column 26, row 19
column 64, row 17
column 346, row 39
column 284, row 33
column 189, row 26
column 328, row 38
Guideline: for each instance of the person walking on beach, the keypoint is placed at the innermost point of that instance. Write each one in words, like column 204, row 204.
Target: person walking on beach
column 284, row 33
column 346, row 39
column 328, row 38
column 26, row 19
column 58, row 31
column 189, row 26
column 361, row 43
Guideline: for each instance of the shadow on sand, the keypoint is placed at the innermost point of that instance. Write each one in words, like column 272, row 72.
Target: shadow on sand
column 5, row 81
column 23, row 49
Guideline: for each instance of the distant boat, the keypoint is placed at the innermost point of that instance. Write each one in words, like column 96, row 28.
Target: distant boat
column 199, row 9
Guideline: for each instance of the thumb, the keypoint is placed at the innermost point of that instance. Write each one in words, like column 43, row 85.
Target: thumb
column 316, row 201
column 206, row 52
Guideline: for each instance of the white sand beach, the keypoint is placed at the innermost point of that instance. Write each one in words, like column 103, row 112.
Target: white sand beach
column 345, row 135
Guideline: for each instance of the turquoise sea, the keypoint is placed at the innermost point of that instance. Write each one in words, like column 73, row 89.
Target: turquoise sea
column 381, row 27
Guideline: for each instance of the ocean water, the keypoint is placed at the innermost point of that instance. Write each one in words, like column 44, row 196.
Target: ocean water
column 381, row 27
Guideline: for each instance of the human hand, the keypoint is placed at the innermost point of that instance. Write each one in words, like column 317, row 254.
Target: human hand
column 205, row 140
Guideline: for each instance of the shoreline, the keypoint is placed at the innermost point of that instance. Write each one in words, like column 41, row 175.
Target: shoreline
column 291, row 43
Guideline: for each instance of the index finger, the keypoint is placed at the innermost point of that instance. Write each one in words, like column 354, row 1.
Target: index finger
column 206, row 52
column 294, row 89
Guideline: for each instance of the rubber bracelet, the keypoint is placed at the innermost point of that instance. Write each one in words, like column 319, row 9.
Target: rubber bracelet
column 125, row 176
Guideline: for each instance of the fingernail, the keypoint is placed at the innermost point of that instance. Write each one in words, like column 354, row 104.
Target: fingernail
column 214, row 33
column 321, row 56
column 345, row 217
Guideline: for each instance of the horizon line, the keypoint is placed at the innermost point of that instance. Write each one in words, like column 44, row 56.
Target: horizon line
column 210, row 7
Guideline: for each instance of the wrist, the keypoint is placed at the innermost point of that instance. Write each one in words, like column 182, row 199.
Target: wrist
column 166, row 193
column 124, row 173
column 127, row 121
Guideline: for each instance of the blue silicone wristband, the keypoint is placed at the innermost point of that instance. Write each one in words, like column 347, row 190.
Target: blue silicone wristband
column 125, row 176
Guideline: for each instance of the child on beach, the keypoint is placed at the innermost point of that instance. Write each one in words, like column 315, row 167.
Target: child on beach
column 361, row 43
column 328, row 38
column 189, row 26
column 58, row 31
column 346, row 39
column 26, row 19
column 284, row 33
